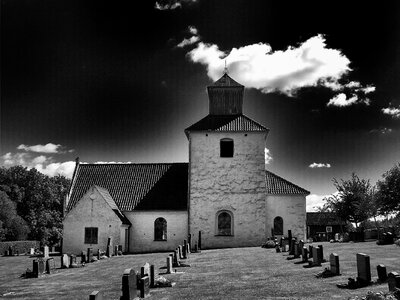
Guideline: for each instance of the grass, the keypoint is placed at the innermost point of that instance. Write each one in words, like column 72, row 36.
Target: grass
column 241, row 273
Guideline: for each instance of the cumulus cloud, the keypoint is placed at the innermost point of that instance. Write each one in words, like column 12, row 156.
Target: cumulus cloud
column 341, row 100
column 44, row 164
column 319, row 165
column 268, row 156
column 190, row 41
column 314, row 201
column 171, row 4
column 392, row 111
column 48, row 148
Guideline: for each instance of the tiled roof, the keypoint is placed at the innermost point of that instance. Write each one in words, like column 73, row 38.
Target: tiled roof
column 323, row 218
column 107, row 197
column 276, row 185
column 226, row 80
column 226, row 123
column 154, row 186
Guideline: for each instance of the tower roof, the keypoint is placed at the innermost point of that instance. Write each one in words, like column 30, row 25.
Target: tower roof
column 226, row 81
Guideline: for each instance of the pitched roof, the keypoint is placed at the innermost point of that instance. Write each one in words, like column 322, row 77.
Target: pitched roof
column 323, row 218
column 225, row 81
column 107, row 197
column 226, row 123
column 153, row 186
column 276, row 185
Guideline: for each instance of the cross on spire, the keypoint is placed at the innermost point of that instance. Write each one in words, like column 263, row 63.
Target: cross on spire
column 226, row 68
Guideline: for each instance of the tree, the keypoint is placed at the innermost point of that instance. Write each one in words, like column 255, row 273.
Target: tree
column 13, row 227
column 388, row 195
column 354, row 200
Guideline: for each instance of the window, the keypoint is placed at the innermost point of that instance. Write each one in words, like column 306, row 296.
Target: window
column 160, row 229
column 91, row 235
column 224, row 223
column 278, row 226
column 226, row 148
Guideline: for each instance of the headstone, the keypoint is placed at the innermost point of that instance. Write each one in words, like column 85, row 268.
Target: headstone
column 41, row 266
column 272, row 232
column 145, row 270
column 292, row 246
column 289, row 234
column 32, row 251
column 169, row 265
column 200, row 240
column 175, row 260
column 190, row 241
column 316, row 256
column 116, row 250
column 83, row 257
column 89, row 254
column 337, row 237
column 363, row 268
column 64, row 261
column 301, row 243
column 187, row 248
column 119, row 249
column 109, row 247
column 98, row 254
column 297, row 250
column 144, row 287
column 322, row 259
column 35, row 269
column 304, row 254
column 46, row 252
column 310, row 251
column 334, row 262
column 50, row 265
column 96, row 295
column 180, row 252
column 184, row 253
column 382, row 274
column 393, row 281
column 129, row 285
column 152, row 275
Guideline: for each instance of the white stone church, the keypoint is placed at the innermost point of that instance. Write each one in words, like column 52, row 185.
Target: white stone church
column 224, row 191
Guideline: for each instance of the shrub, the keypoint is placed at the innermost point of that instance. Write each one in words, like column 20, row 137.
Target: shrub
column 269, row 244
column 397, row 242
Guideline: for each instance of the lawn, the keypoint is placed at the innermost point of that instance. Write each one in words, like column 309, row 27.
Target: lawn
column 241, row 273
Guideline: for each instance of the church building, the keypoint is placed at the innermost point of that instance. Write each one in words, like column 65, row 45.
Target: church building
column 224, row 191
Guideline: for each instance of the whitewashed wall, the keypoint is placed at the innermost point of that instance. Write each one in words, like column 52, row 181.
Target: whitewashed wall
column 142, row 230
column 292, row 209
column 90, row 213
column 236, row 184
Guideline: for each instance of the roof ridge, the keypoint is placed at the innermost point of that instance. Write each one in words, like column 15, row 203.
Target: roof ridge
column 127, row 163
column 287, row 181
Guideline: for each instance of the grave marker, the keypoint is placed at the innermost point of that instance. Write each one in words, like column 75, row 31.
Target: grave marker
column 289, row 233
column 304, row 254
column 393, row 281
column 83, row 257
column 32, row 251
column 316, row 256
column 175, row 261
column 145, row 270
column 292, row 245
column 184, row 254
column 169, row 265
column 296, row 250
column 382, row 274
column 190, row 240
column 129, row 285
column 98, row 254
column 152, row 276
column 72, row 260
column 50, row 265
column 89, row 254
column 64, row 261
column 46, row 252
column 96, row 295
column 109, row 247
column 321, row 252
column 200, row 240
column 144, row 287
column 180, row 252
column 310, row 251
column 334, row 263
column 363, row 268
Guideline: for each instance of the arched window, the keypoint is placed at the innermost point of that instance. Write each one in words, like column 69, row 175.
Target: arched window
column 160, row 229
column 278, row 226
column 226, row 147
column 224, row 223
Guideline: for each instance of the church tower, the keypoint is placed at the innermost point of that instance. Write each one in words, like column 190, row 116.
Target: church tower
column 227, row 189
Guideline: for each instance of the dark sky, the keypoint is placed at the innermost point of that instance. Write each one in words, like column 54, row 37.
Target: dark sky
column 107, row 82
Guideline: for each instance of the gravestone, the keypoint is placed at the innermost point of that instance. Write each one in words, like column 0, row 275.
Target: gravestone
column 169, row 265
column 304, row 254
column 190, row 241
column 337, row 237
column 292, row 245
column 98, row 254
column 301, row 243
column 109, row 247
column 89, row 254
column 310, row 251
column 180, row 252
column 32, row 251
column 152, row 276
column 200, row 240
column 297, row 250
column 322, row 259
column 53, row 249
column 129, row 285
column 188, row 248
column 35, row 268
column 363, row 268
column 289, row 234
column 382, row 274
column 334, row 263
column 41, row 266
column 144, row 287
column 196, row 248
column 145, row 270
column 184, row 254
column 119, row 249
column 46, row 252
column 50, row 265
column 72, row 260
column 393, row 281
column 316, row 256
column 175, row 260
column 96, row 295
column 83, row 257
column 64, row 261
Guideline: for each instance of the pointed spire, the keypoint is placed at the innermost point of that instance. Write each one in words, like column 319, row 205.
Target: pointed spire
column 226, row 68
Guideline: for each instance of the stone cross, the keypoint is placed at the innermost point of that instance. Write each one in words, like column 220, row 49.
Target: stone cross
column 96, row 295
column 382, row 274
column 363, row 268
column 393, row 281
column 46, row 252
column 334, row 262
column 129, row 285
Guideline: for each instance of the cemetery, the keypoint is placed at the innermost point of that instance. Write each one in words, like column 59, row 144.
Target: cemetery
column 297, row 269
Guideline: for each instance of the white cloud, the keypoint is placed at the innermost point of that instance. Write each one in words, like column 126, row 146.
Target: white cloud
column 190, row 41
column 341, row 100
column 319, row 165
column 268, row 156
column 257, row 66
column 314, row 201
column 48, row 148
column 391, row 111
column 368, row 89
column 65, row 169
column 193, row 30
column 171, row 4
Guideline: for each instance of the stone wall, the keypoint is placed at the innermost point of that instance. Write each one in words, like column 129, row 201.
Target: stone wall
column 292, row 209
column 90, row 213
column 236, row 184
column 20, row 246
column 142, row 230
